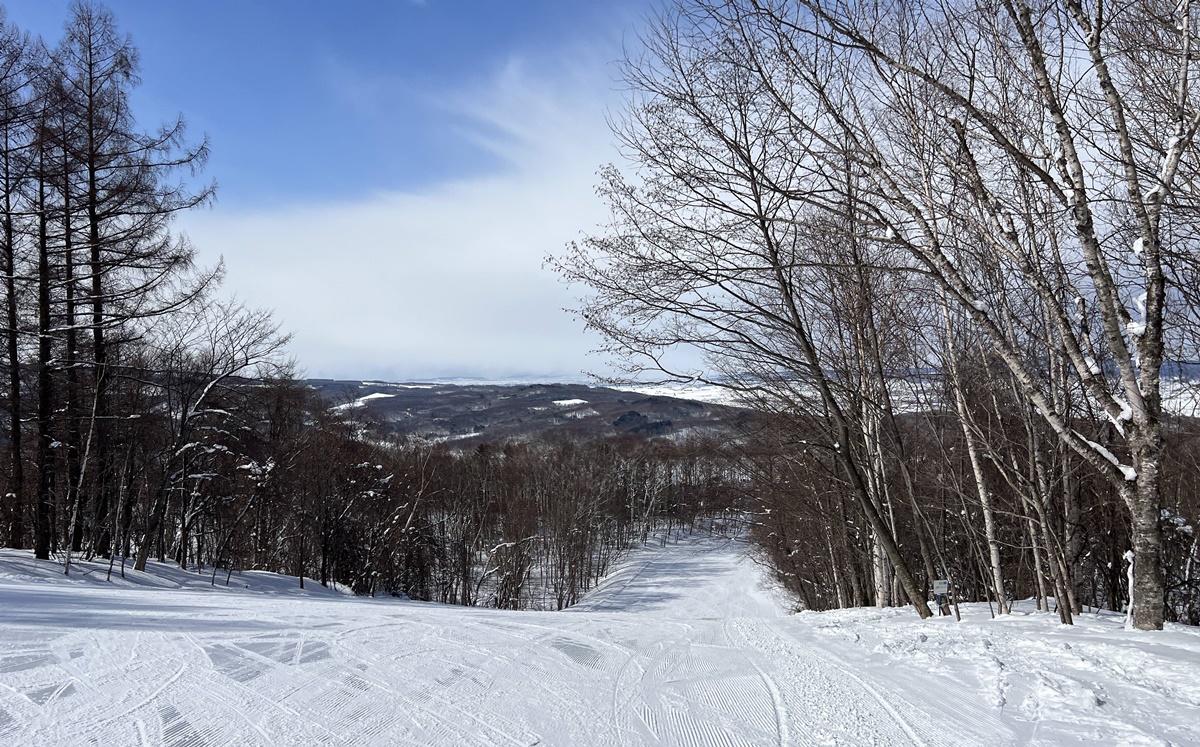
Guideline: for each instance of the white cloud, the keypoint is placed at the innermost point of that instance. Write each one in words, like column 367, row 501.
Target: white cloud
column 446, row 280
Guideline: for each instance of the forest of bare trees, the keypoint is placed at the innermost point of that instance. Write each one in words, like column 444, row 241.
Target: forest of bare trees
column 950, row 247
column 528, row 525
column 147, row 418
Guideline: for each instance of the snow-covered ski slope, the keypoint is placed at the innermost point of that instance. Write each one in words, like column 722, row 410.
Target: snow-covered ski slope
column 680, row 647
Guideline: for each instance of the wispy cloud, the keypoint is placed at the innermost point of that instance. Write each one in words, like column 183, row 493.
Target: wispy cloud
column 444, row 280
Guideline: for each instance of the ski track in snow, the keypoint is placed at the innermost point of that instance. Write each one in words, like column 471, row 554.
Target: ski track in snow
column 681, row 646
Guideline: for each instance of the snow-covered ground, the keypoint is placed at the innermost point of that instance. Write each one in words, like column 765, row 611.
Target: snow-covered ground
column 708, row 393
column 1180, row 396
column 681, row 646
column 362, row 401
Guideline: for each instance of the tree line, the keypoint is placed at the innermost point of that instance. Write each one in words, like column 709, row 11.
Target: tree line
column 147, row 418
column 516, row 525
column 949, row 247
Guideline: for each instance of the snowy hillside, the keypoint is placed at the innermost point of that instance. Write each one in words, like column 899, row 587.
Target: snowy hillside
column 681, row 646
column 469, row 414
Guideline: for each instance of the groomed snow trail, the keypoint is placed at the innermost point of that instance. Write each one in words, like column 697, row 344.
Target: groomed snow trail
column 680, row 647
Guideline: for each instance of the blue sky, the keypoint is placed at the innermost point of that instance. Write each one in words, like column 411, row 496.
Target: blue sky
column 391, row 174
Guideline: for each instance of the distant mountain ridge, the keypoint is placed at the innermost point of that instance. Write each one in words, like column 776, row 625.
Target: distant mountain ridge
column 468, row 414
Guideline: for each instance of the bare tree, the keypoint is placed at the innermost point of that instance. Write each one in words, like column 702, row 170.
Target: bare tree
column 1045, row 133
column 119, row 197
column 197, row 355
column 708, row 250
column 18, row 68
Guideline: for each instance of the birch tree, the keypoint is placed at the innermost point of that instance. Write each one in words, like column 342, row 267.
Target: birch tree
column 197, row 355
column 1057, row 133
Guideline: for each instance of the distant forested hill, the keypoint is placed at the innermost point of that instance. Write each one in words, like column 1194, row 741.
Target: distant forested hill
column 478, row 413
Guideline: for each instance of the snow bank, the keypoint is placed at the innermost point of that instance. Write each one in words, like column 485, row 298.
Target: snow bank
column 18, row 567
column 1026, row 677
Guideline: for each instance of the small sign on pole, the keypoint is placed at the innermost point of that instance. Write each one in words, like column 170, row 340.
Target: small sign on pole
column 941, row 587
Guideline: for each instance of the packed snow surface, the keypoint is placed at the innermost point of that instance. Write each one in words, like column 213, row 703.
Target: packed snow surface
column 681, row 646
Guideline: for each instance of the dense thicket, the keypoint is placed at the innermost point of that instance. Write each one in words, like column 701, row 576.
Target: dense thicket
column 511, row 525
column 272, row 478
column 1059, row 532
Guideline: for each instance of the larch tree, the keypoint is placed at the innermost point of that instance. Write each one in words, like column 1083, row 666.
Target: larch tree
column 122, row 194
column 17, row 70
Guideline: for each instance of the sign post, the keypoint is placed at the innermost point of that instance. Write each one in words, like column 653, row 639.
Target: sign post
column 941, row 587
